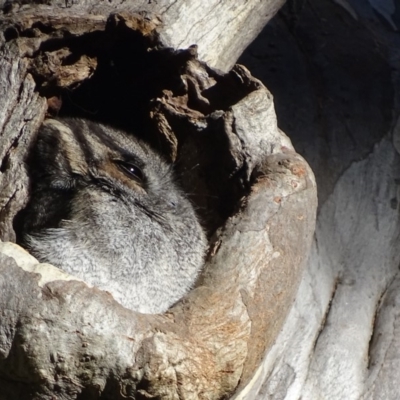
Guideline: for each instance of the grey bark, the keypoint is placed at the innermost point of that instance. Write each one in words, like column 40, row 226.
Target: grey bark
column 60, row 338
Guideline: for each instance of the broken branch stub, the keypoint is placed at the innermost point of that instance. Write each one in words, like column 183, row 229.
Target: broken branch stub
column 256, row 196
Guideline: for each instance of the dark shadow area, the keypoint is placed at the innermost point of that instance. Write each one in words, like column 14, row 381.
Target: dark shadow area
column 331, row 82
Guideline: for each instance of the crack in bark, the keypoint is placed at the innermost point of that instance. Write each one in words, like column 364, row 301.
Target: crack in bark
column 14, row 143
column 375, row 318
column 326, row 314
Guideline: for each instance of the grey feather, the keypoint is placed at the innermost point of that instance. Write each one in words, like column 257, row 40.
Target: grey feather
column 106, row 208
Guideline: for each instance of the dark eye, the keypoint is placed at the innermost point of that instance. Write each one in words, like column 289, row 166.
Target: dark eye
column 130, row 170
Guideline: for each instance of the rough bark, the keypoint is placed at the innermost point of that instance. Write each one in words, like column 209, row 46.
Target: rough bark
column 257, row 198
column 333, row 69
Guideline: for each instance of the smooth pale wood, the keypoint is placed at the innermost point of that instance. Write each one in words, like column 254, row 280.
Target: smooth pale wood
column 337, row 97
column 221, row 28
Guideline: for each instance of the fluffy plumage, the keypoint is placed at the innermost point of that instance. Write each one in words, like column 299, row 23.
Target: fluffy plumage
column 106, row 209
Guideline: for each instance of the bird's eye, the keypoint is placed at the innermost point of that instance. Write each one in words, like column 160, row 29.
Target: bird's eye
column 130, row 170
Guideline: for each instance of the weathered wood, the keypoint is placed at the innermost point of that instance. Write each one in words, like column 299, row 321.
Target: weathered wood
column 21, row 113
column 257, row 198
column 81, row 342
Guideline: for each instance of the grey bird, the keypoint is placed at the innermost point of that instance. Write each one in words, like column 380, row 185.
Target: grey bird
column 105, row 208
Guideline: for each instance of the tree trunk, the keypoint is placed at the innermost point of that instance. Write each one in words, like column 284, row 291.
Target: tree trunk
column 333, row 68
column 123, row 63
